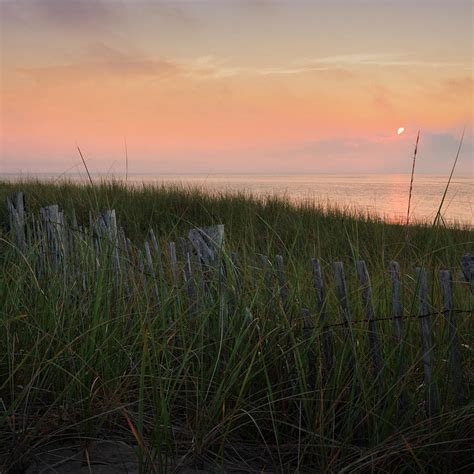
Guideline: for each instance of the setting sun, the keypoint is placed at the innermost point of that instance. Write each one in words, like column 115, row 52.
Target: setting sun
column 400, row 130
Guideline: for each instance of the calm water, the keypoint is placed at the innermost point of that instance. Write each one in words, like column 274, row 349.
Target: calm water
column 386, row 195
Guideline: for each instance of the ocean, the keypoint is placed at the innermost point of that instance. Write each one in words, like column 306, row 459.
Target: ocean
column 384, row 195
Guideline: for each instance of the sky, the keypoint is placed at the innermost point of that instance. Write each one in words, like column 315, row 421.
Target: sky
column 236, row 86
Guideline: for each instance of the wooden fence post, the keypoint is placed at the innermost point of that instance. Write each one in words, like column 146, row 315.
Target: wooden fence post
column 51, row 220
column 427, row 345
column 125, row 262
column 326, row 335
column 397, row 314
column 141, row 267
column 307, row 330
column 17, row 217
column 41, row 246
column 267, row 276
column 151, row 269
column 174, row 264
column 343, row 297
column 467, row 269
column 161, row 272
column 341, row 292
column 374, row 343
column 107, row 227
column 455, row 361
column 189, row 282
column 397, row 309
column 208, row 242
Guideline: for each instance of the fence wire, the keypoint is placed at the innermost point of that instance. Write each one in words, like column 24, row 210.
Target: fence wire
column 391, row 318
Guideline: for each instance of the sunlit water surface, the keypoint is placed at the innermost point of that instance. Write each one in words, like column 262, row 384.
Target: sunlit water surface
column 385, row 195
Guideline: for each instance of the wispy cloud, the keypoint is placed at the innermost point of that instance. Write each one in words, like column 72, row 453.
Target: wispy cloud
column 78, row 72
column 210, row 67
column 375, row 59
column 99, row 58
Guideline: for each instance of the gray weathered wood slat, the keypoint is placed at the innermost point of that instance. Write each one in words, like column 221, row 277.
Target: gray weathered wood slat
column 174, row 263
column 397, row 314
column 341, row 293
column 327, row 342
column 267, row 275
column 374, row 342
column 151, row 270
column 208, row 242
column 108, row 229
column 14, row 204
column 427, row 345
column 39, row 245
column 17, row 218
column 307, row 325
column 307, row 332
column 189, row 283
column 343, row 298
column 97, row 254
column 141, row 267
column 125, row 262
column 33, row 242
column 130, row 250
column 159, row 259
column 74, row 225
column 467, row 269
column 18, row 201
column 397, row 308
column 455, row 369
column 51, row 220
column 203, row 277
column 62, row 231
column 71, row 245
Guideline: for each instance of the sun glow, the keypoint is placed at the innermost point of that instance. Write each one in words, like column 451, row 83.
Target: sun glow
column 400, row 130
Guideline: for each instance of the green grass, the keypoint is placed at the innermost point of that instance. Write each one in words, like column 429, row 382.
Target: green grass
column 236, row 380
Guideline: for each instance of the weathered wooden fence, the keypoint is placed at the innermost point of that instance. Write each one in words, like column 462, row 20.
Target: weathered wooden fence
column 59, row 245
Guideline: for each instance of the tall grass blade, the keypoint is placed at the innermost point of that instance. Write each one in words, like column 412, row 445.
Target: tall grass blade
column 412, row 176
column 438, row 214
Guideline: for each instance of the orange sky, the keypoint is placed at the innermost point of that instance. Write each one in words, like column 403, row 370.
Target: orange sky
column 235, row 86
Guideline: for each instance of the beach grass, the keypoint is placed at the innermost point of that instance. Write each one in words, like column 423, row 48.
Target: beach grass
column 237, row 383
